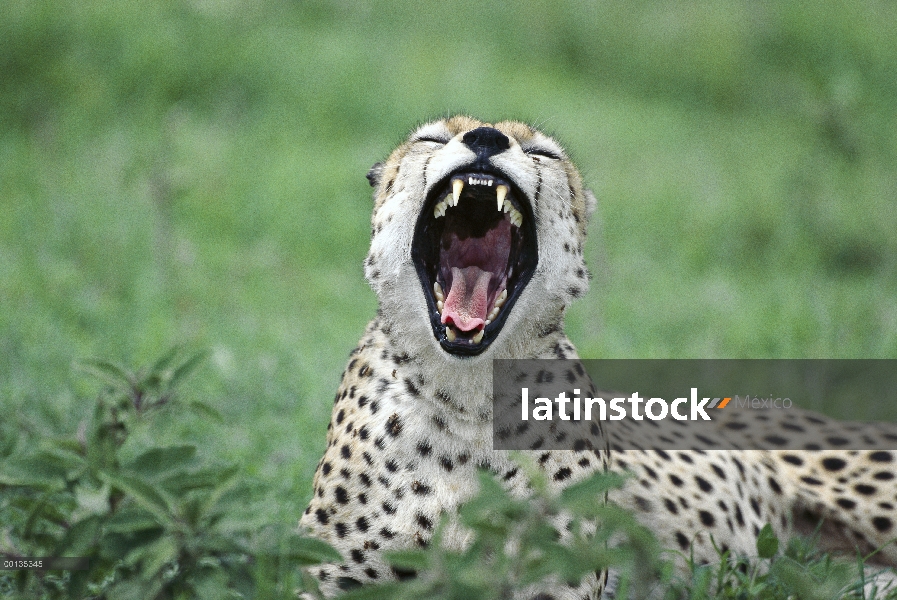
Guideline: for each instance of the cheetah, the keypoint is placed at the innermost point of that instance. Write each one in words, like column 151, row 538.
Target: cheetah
column 476, row 250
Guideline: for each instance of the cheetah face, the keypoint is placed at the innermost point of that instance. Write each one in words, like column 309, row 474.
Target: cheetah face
column 483, row 210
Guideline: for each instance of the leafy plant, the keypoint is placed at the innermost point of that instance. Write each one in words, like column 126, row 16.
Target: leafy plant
column 152, row 526
column 516, row 544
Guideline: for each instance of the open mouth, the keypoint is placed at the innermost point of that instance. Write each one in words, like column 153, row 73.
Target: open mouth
column 475, row 250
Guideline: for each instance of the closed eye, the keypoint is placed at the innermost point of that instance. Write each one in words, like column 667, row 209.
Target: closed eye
column 543, row 152
column 431, row 139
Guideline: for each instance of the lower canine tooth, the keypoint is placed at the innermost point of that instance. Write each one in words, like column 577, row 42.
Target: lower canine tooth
column 439, row 306
column 449, row 333
column 500, row 192
column 437, row 291
column 457, row 186
column 478, row 337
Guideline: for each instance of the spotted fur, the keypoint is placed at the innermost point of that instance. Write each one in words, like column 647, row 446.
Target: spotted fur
column 411, row 423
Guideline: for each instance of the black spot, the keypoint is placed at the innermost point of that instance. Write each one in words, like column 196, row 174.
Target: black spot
column 362, row 400
column 463, row 458
column 834, row 464
column 794, row 460
column 379, row 443
column 755, row 506
column 446, row 463
column 562, row 474
column 884, row 475
column 365, row 480
column 424, row 522
column 345, row 473
column 362, row 524
column 703, row 484
column 439, row 422
column 775, row 486
column 882, row 523
column 846, row 503
column 685, row 458
column 345, row 452
column 342, row 496
column 682, row 540
column 510, row 474
column 363, row 432
column 388, row 534
column 866, row 490
column 394, row 425
column 837, row 441
column 391, row 466
column 367, row 458
column 675, row 480
column 719, row 472
column 375, row 406
column 420, row 489
column 881, row 456
column 347, row 583
column 340, row 416
column 357, row 555
column 322, row 516
column 363, row 498
column 325, row 468
column 706, row 518
column 776, row 440
column 389, row 508
column 643, row 504
column 370, row 572
column 424, row 449
column 671, row 506
column 411, row 388
column 662, row 454
column 739, row 518
column 584, row 462
column 810, row 480
column 341, row 530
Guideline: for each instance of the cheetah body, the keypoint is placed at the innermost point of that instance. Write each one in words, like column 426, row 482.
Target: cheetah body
column 412, row 418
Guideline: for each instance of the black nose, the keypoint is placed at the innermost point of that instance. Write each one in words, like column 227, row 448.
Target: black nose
column 486, row 141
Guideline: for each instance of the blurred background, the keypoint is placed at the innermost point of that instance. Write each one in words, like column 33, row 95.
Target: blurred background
column 192, row 172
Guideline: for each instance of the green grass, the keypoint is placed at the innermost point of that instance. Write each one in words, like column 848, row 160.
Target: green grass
column 194, row 173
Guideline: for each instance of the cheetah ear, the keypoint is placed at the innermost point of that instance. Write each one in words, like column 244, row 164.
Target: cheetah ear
column 375, row 173
column 591, row 203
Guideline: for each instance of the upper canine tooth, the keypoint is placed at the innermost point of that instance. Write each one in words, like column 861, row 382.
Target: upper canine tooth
column 479, row 336
column 500, row 192
column 457, row 186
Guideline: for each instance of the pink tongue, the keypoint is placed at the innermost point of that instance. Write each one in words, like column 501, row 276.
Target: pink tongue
column 465, row 306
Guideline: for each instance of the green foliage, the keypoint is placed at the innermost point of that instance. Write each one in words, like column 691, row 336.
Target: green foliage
column 802, row 572
column 515, row 544
column 156, row 525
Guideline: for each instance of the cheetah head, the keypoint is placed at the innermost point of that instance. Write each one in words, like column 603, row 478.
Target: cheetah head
column 477, row 236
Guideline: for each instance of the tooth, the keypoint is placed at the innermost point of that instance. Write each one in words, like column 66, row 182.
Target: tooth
column 488, row 321
column 489, row 183
column 500, row 301
column 449, row 333
column 493, row 314
column 478, row 337
column 516, row 217
column 457, row 186
column 439, row 209
column 437, row 291
column 508, row 206
column 439, row 306
column 500, row 192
